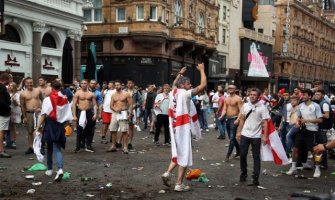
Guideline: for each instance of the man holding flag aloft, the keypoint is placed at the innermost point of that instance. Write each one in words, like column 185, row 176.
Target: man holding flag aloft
column 254, row 118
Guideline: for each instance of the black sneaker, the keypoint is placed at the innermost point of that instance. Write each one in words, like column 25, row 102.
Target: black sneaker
column 237, row 155
column 29, row 151
column 255, row 180
column 118, row 145
column 104, row 140
column 90, row 149
column 76, row 150
column 130, row 147
column 4, row 155
column 221, row 137
column 42, row 151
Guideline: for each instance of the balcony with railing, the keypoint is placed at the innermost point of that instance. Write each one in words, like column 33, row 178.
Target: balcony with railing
column 70, row 6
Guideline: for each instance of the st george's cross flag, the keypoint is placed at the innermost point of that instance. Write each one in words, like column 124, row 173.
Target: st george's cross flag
column 274, row 149
column 57, row 107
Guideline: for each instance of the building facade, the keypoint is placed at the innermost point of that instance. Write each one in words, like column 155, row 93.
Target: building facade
column 35, row 31
column 305, row 47
column 149, row 40
column 257, row 40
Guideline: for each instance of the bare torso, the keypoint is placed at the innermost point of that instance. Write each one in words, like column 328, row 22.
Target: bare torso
column 46, row 91
column 84, row 99
column 32, row 100
column 233, row 104
column 119, row 101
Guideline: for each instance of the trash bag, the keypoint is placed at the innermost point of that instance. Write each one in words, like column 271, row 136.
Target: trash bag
column 37, row 147
column 66, row 176
column 193, row 174
column 37, row 167
column 68, row 130
column 203, row 178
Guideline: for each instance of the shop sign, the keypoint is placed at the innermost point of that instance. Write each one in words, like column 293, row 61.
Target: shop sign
column 11, row 61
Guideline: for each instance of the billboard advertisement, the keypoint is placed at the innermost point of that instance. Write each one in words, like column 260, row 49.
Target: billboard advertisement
column 256, row 59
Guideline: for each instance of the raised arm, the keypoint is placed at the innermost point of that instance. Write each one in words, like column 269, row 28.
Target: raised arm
column 203, row 80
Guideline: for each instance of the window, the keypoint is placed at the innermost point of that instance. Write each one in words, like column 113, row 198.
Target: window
column 201, row 23
column 49, row 41
column 178, row 13
column 224, row 13
column 260, row 30
column 223, row 36
column 140, row 13
column 153, row 13
column 11, row 34
column 223, row 61
column 121, row 14
column 93, row 14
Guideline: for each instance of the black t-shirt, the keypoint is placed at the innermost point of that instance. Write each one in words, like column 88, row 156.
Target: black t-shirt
column 149, row 103
column 4, row 101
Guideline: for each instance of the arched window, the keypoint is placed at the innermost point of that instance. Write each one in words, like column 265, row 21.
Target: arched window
column 11, row 34
column 178, row 12
column 201, row 23
column 49, row 41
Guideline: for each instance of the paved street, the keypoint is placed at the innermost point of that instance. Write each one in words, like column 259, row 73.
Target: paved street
column 137, row 175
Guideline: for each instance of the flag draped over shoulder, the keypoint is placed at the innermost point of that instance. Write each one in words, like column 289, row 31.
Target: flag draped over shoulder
column 274, row 150
column 183, row 123
column 57, row 107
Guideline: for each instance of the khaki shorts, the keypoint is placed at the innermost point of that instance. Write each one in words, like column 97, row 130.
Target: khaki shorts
column 117, row 124
column 32, row 119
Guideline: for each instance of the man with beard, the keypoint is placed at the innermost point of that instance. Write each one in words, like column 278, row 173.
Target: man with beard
column 43, row 87
column 122, row 114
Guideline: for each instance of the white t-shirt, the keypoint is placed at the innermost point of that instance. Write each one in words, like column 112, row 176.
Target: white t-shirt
column 252, row 127
column 289, row 110
column 215, row 98
column 313, row 111
column 107, row 101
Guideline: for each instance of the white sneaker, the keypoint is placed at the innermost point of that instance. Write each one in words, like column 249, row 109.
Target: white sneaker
column 49, row 172
column 138, row 129
column 181, row 188
column 290, row 160
column 166, row 177
column 291, row 171
column 59, row 175
column 317, row 173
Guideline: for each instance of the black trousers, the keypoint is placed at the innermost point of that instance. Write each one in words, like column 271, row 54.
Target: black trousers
column 256, row 153
column 162, row 120
column 85, row 136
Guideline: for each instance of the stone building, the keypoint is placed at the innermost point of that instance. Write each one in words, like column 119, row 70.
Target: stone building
column 150, row 40
column 305, row 48
column 35, row 31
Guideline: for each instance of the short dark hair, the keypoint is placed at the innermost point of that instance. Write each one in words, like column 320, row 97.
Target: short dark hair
column 56, row 85
column 256, row 90
column 299, row 88
column 5, row 76
column 132, row 80
column 307, row 91
column 85, row 80
column 220, row 91
column 42, row 77
column 111, row 82
column 27, row 78
column 182, row 81
column 321, row 91
column 118, row 81
column 317, row 83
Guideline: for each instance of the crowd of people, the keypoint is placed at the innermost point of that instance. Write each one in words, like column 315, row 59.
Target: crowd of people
column 302, row 119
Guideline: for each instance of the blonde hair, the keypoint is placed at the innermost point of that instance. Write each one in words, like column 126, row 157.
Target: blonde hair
column 14, row 87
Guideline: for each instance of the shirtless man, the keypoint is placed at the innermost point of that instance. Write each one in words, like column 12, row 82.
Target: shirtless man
column 122, row 114
column 83, row 100
column 43, row 87
column 30, row 101
column 231, row 109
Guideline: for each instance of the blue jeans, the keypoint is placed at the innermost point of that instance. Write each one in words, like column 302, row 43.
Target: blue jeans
column 147, row 113
column 283, row 133
column 54, row 147
column 203, row 119
column 231, row 130
column 290, row 137
column 221, row 124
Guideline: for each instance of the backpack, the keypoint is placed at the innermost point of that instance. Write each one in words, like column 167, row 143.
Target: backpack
column 327, row 123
